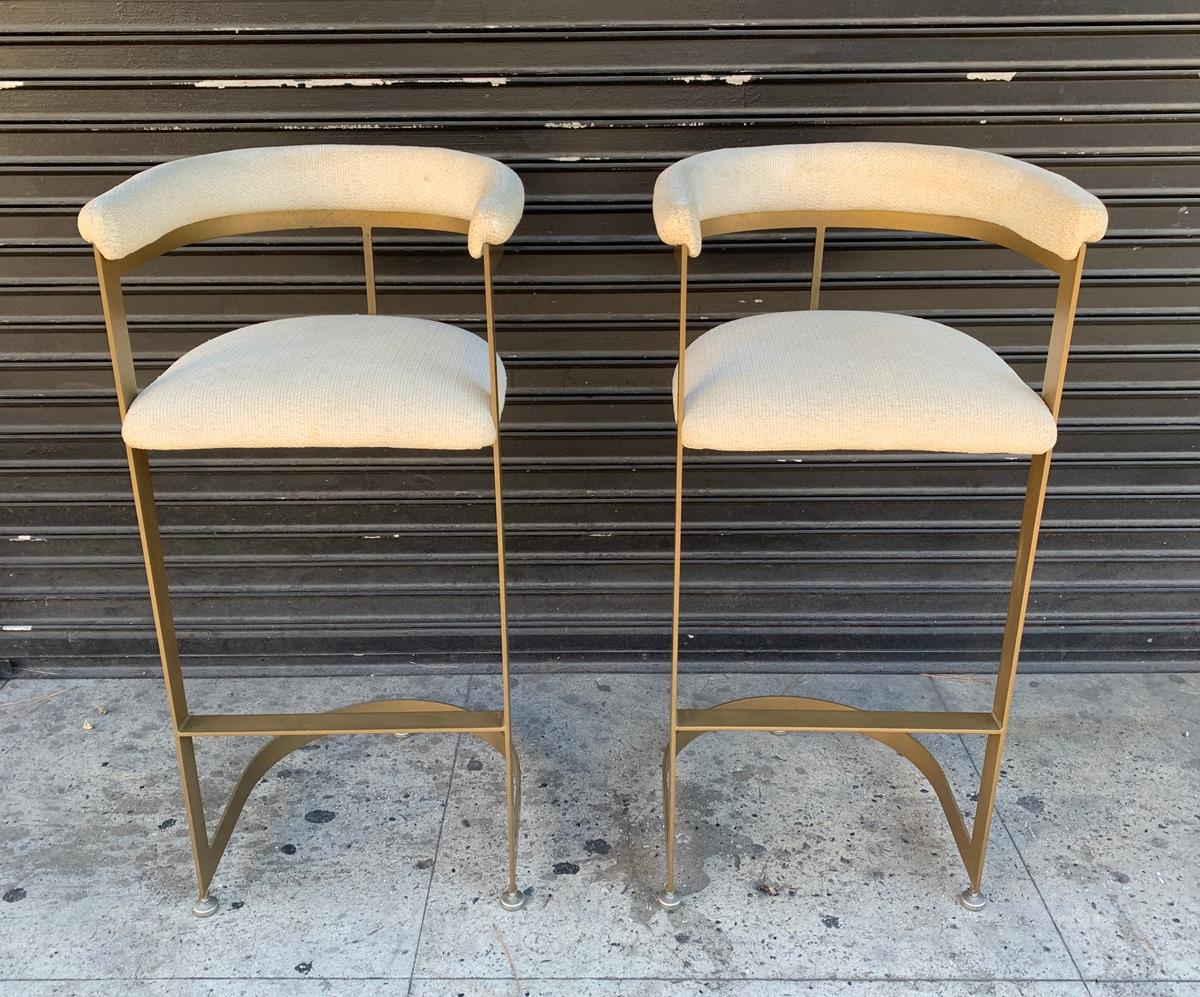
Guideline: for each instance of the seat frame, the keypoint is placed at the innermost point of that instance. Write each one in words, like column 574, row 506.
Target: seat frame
column 894, row 728
column 290, row 731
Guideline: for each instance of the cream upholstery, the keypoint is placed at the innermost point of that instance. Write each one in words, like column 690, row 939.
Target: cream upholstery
column 307, row 177
column 323, row 381
column 1042, row 207
column 844, row 380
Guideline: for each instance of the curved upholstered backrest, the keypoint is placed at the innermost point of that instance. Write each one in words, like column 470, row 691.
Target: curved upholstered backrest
column 1041, row 207
column 485, row 195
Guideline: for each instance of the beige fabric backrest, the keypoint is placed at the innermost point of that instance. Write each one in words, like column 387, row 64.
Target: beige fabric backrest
column 1041, row 207
column 417, row 179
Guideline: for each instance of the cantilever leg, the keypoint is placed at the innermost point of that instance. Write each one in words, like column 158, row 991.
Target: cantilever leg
column 168, row 648
column 668, row 899
column 511, row 898
column 972, row 897
column 1018, row 601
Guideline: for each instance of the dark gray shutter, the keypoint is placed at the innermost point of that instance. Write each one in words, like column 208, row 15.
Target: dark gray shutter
column 370, row 561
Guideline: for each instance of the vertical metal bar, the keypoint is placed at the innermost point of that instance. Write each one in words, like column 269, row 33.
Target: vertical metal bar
column 669, row 761
column 985, row 808
column 369, row 268
column 142, row 486
column 1018, row 601
column 1065, row 305
column 168, row 649
column 1035, row 488
column 510, row 769
column 814, row 294
column 156, row 578
column 1018, row 598
column 193, row 803
column 112, row 302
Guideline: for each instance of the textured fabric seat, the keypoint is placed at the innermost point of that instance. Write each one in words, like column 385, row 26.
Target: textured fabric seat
column 323, row 381
column 848, row 380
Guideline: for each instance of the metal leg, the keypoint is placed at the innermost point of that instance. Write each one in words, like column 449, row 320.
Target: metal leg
column 667, row 898
column 512, row 898
column 164, row 625
column 193, row 803
column 972, row 898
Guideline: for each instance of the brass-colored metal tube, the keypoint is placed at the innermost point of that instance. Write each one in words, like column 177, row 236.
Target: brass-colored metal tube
column 511, row 764
column 672, row 751
column 447, row 721
column 760, row 718
column 369, row 269
column 814, row 294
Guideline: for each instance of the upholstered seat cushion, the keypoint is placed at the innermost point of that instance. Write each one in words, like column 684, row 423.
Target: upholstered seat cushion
column 323, row 381
column 847, row 380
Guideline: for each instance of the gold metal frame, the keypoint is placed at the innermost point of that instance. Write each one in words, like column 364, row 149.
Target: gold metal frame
column 895, row 728
column 290, row 731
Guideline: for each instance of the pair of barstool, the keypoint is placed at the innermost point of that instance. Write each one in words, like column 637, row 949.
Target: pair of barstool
column 792, row 381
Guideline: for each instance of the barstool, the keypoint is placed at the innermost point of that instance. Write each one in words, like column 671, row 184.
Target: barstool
column 312, row 381
column 855, row 380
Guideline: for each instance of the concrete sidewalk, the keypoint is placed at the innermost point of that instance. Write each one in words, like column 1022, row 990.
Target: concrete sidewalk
column 368, row 866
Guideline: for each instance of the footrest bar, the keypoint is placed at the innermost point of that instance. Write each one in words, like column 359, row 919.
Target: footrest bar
column 834, row 720
column 317, row 724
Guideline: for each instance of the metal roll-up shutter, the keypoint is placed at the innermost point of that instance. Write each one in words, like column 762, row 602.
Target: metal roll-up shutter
column 353, row 561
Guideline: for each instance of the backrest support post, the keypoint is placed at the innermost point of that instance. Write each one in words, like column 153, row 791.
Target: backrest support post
column 814, row 294
column 369, row 269
column 117, row 328
column 1060, row 333
column 490, row 258
column 681, row 257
